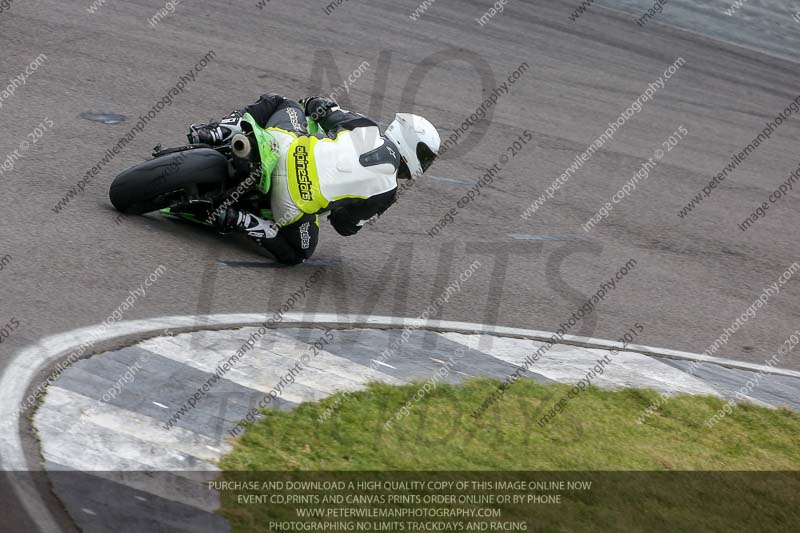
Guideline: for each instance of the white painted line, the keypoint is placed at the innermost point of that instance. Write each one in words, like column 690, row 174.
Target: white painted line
column 23, row 367
column 355, row 321
column 69, row 417
column 161, row 405
column 267, row 363
column 383, row 364
column 526, row 237
column 570, row 364
column 89, row 511
column 452, row 180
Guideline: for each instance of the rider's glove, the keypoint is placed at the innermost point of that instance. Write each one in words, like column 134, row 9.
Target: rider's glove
column 317, row 107
column 344, row 224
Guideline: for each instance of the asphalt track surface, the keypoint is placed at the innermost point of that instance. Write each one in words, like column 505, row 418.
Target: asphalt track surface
column 693, row 276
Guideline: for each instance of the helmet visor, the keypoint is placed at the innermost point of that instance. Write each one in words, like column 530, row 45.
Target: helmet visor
column 425, row 155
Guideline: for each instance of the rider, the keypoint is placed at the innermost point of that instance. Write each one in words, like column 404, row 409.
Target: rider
column 350, row 171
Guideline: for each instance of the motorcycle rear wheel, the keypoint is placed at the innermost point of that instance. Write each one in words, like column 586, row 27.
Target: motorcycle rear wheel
column 171, row 178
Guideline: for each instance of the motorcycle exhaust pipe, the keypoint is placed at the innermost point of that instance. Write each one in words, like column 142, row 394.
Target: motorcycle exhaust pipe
column 242, row 150
column 241, row 147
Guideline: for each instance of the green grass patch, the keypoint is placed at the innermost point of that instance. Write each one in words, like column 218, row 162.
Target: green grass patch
column 598, row 430
column 647, row 476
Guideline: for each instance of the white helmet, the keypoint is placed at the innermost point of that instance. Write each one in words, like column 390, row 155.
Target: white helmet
column 417, row 140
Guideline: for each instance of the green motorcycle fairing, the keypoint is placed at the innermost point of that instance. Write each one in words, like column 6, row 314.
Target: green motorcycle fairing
column 313, row 127
column 269, row 151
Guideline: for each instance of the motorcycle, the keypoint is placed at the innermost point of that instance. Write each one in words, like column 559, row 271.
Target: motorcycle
column 198, row 181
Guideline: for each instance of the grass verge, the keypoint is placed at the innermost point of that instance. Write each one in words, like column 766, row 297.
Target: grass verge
column 598, row 435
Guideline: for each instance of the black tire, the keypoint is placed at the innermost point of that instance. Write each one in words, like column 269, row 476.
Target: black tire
column 157, row 183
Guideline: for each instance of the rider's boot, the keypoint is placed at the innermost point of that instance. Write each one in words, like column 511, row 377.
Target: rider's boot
column 244, row 222
column 216, row 133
